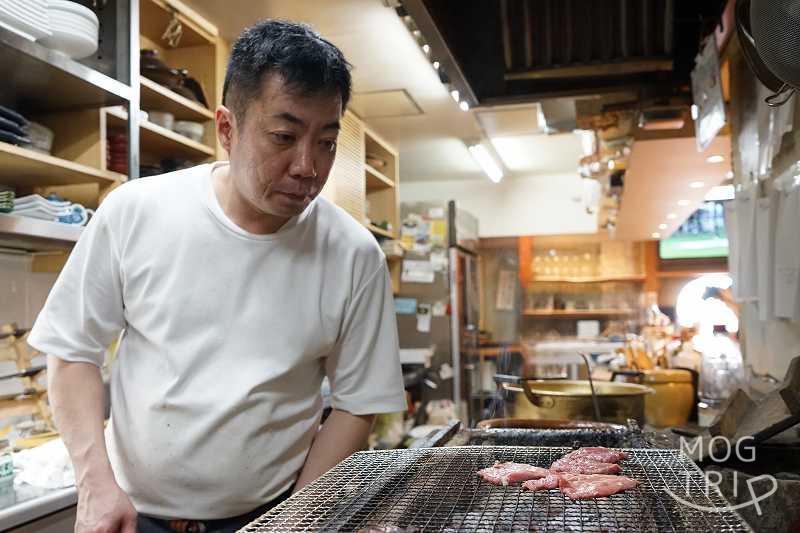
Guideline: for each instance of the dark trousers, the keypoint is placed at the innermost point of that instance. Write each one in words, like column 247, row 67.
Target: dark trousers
column 149, row 524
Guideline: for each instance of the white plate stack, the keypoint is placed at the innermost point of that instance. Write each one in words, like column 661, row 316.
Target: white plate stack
column 74, row 28
column 29, row 18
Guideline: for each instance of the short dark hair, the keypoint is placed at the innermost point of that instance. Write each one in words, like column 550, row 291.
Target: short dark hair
column 308, row 63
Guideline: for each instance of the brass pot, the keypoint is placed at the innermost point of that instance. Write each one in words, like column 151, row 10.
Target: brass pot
column 572, row 400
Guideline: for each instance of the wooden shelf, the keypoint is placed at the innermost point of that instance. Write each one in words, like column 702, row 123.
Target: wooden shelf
column 377, row 181
column 155, row 15
column 160, row 141
column 21, row 167
column 156, row 97
column 45, row 80
column 32, row 234
column 545, row 279
column 686, row 273
column 577, row 313
column 379, row 231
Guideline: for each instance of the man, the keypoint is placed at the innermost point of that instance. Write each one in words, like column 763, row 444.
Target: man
column 237, row 289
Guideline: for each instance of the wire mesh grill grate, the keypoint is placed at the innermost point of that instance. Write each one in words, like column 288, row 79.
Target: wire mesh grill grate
column 436, row 489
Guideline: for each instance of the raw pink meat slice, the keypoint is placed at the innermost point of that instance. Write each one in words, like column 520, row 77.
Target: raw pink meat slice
column 505, row 473
column 580, row 465
column 584, row 487
column 550, row 481
column 599, row 454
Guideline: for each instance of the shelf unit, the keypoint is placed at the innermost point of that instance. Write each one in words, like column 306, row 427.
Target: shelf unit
column 577, row 313
column 610, row 279
column 160, row 142
column 25, row 168
column 33, row 235
column 158, row 97
column 380, row 232
column 381, row 184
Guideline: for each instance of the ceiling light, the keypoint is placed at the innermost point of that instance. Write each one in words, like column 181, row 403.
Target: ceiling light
column 455, row 94
column 611, row 164
column 436, row 65
column 695, row 112
column 729, row 174
column 720, row 193
column 696, row 185
column 683, row 203
column 655, row 235
column 672, row 216
column 486, row 162
column 463, row 105
column 417, row 33
column 426, row 48
column 662, row 226
column 715, row 159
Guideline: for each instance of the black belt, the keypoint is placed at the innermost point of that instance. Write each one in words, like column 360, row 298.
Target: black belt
column 149, row 524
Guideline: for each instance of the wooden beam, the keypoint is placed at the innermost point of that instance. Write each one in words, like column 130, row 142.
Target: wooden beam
column 594, row 71
column 525, row 257
column 651, row 279
column 506, row 35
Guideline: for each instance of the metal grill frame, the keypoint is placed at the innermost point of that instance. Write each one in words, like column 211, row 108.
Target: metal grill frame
column 436, row 489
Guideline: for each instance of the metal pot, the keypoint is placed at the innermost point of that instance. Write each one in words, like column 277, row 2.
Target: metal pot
column 572, row 400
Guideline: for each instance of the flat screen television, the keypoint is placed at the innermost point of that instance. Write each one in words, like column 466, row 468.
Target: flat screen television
column 702, row 235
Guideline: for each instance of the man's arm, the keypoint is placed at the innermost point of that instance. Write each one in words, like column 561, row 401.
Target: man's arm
column 77, row 397
column 341, row 435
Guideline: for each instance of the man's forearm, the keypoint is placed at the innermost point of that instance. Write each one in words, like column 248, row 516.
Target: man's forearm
column 77, row 397
column 341, row 435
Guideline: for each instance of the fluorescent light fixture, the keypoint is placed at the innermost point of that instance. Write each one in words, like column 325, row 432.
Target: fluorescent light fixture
column 671, row 216
column 426, row 48
column 655, row 235
column 695, row 112
column 463, row 105
column 683, row 203
column 720, row 193
column 436, row 65
column 455, row 94
column 486, row 162
column 715, row 159
column 697, row 184
column 662, row 226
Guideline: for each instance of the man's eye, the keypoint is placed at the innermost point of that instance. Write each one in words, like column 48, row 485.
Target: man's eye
column 329, row 145
column 282, row 138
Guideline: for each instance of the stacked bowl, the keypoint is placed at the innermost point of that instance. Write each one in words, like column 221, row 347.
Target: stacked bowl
column 29, row 18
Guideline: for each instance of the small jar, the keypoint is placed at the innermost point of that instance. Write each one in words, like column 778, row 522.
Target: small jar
column 6, row 463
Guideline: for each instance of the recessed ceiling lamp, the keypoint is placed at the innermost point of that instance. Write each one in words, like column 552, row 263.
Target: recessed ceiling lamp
column 720, row 193
column 671, row 216
column 655, row 235
column 729, row 174
column 715, row 159
column 486, row 162
column 683, row 203
column 426, row 48
column 696, row 185
column 464, row 105
column 455, row 94
column 436, row 65
column 662, row 226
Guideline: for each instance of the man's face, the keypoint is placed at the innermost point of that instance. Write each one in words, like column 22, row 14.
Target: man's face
column 283, row 152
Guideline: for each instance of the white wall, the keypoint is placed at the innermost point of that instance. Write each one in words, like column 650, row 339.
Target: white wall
column 513, row 207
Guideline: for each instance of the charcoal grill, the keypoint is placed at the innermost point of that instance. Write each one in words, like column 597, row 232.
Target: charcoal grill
column 436, row 489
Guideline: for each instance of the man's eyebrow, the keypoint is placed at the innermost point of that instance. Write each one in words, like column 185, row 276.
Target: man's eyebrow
column 288, row 117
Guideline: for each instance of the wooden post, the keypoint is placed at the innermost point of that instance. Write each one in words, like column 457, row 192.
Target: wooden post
column 525, row 256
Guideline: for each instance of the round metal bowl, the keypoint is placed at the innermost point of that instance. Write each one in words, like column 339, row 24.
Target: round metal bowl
column 572, row 400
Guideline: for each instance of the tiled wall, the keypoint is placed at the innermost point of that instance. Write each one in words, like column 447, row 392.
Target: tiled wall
column 22, row 295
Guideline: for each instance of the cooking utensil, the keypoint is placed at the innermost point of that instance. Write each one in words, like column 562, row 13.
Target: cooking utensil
column 436, row 489
column 572, row 399
column 675, row 395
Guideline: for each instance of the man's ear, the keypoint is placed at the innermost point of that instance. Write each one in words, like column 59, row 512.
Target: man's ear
column 225, row 122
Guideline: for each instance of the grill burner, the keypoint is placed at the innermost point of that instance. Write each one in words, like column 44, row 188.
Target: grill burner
column 436, row 489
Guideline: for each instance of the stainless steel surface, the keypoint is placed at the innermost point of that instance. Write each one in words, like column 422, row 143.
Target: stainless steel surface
column 436, row 489
column 135, row 96
column 32, row 234
column 455, row 330
column 30, row 503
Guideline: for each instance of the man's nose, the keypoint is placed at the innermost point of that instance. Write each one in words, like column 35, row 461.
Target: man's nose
column 303, row 165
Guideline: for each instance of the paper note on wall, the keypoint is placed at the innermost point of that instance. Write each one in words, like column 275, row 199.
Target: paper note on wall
column 439, row 308
column 506, row 290
column 417, row 272
column 424, row 318
column 405, row 306
column 439, row 260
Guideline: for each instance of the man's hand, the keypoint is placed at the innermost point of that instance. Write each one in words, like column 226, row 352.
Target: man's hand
column 104, row 509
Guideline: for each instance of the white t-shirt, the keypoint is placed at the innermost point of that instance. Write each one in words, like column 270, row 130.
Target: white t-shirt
column 215, row 394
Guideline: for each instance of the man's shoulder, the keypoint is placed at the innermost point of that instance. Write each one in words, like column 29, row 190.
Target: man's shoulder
column 346, row 235
column 155, row 191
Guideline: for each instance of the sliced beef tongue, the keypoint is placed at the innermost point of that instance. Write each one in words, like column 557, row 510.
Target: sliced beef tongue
column 580, row 465
column 508, row 472
column 599, row 454
column 550, row 481
column 584, row 487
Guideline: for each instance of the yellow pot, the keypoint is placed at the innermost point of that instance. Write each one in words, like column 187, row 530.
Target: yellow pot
column 672, row 402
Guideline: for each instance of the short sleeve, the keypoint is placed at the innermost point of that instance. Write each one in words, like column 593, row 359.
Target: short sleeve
column 364, row 368
column 84, row 311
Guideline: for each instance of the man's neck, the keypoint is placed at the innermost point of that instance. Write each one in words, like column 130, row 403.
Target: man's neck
column 238, row 209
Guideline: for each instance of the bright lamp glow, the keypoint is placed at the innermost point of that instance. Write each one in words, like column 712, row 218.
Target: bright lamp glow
column 696, row 185
column 655, row 235
column 455, row 94
column 662, row 226
column 426, row 48
column 436, row 65
column 464, row 105
column 486, row 162
column 683, row 203
column 715, row 159
column 672, row 216
column 720, row 193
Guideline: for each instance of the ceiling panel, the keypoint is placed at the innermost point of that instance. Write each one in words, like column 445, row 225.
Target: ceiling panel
column 381, row 104
column 505, row 122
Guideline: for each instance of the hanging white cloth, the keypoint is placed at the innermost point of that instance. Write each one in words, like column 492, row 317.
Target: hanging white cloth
column 747, row 272
column 766, row 217
column 787, row 255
